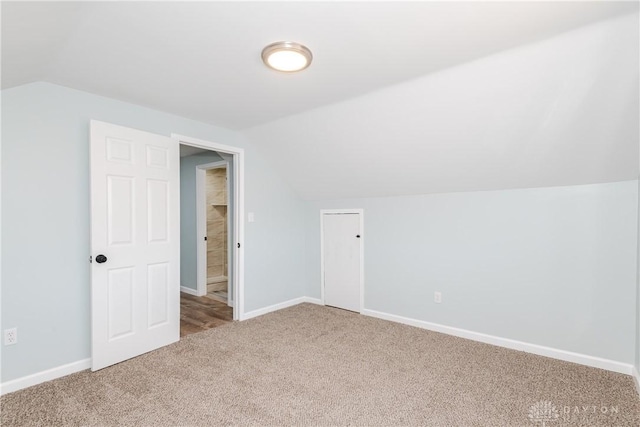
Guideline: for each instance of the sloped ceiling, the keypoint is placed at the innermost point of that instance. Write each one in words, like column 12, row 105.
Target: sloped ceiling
column 563, row 111
column 402, row 98
column 202, row 59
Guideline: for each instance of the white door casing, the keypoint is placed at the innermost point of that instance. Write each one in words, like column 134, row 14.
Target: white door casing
column 342, row 269
column 230, row 238
column 135, row 223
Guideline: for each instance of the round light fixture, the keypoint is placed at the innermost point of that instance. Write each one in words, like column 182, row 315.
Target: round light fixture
column 287, row 57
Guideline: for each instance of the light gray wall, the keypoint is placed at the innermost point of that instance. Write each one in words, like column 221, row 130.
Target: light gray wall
column 45, row 220
column 188, row 223
column 637, row 332
column 548, row 266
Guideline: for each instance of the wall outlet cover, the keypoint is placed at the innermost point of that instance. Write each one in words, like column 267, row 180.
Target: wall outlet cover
column 11, row 336
column 437, row 297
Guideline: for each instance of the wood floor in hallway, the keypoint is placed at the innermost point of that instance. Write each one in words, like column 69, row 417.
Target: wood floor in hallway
column 198, row 314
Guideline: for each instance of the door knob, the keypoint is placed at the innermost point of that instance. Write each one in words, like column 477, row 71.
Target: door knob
column 101, row 258
column 358, row 236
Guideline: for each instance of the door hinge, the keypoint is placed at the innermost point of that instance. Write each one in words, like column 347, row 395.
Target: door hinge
column 205, row 238
column 90, row 259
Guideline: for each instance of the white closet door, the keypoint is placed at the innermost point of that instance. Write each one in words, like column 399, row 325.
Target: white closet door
column 135, row 243
column 341, row 255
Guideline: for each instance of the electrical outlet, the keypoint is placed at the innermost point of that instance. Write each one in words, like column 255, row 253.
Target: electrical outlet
column 437, row 297
column 11, row 336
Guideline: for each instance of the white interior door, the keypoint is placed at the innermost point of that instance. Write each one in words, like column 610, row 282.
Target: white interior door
column 135, row 243
column 341, row 237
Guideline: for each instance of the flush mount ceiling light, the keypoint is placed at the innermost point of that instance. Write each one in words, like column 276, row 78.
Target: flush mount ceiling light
column 287, row 57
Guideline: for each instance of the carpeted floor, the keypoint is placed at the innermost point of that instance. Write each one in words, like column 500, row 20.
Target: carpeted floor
column 312, row 365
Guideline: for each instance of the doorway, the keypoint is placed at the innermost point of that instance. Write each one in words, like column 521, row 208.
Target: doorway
column 215, row 228
column 342, row 258
column 211, row 229
column 207, row 206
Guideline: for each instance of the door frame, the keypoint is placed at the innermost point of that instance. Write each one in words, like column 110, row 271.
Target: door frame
column 238, row 209
column 201, row 226
column 360, row 212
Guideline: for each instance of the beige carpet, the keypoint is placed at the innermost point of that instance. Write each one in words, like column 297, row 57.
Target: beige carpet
column 311, row 365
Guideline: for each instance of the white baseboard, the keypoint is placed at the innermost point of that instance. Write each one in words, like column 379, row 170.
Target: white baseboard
column 568, row 356
column 310, row 300
column 43, row 376
column 269, row 309
column 280, row 306
column 583, row 359
column 189, row 291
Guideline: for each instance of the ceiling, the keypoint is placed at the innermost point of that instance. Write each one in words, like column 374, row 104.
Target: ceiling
column 402, row 97
column 562, row 111
column 202, row 59
column 188, row 150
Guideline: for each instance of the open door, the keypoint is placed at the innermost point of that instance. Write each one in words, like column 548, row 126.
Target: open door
column 135, row 243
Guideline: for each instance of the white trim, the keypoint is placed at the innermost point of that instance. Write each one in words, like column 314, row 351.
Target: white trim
column 230, row 249
column 275, row 307
column 238, row 209
column 280, row 306
column 360, row 212
column 201, row 215
column 636, row 379
column 1, row 231
column 310, row 300
column 44, row 376
column 568, row 356
column 201, row 222
column 188, row 291
column 322, row 257
column 583, row 359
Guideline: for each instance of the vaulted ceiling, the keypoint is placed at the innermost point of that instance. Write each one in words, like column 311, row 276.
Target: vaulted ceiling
column 202, row 59
column 452, row 95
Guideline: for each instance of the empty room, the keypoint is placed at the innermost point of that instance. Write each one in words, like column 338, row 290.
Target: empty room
column 320, row 213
